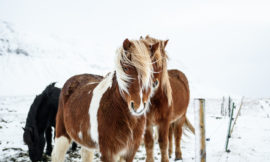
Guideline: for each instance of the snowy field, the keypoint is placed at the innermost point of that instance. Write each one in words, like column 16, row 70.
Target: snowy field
column 250, row 139
column 30, row 61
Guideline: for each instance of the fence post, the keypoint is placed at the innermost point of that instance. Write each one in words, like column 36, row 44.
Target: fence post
column 229, row 107
column 229, row 129
column 200, row 133
column 222, row 106
column 238, row 114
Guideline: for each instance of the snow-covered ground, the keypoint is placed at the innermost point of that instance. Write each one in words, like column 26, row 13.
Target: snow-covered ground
column 249, row 142
column 29, row 62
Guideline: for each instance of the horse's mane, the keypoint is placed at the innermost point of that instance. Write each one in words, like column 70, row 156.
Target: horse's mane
column 161, row 57
column 31, row 117
column 139, row 58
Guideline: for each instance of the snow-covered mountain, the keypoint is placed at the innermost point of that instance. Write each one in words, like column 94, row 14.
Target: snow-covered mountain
column 10, row 41
column 30, row 61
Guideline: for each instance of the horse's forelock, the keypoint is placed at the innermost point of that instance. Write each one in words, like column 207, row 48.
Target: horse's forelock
column 140, row 59
column 161, row 57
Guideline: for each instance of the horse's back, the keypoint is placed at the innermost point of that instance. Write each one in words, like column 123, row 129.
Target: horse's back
column 180, row 76
column 77, row 81
column 180, row 89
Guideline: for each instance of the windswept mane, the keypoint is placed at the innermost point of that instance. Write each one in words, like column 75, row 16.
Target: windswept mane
column 160, row 57
column 139, row 58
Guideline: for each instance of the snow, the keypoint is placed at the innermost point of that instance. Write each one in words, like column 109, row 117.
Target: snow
column 49, row 59
column 29, row 62
column 249, row 142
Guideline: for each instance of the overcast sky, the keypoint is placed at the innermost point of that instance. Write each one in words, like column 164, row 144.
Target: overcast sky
column 222, row 46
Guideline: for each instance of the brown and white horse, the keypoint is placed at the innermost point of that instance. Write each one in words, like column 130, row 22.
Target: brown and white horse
column 169, row 103
column 108, row 115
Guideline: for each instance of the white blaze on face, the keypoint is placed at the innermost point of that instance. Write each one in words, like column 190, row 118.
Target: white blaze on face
column 141, row 108
column 98, row 92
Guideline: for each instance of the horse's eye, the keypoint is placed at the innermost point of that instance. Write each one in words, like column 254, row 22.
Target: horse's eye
column 125, row 68
column 156, row 82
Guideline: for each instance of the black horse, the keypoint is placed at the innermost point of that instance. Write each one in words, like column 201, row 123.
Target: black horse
column 40, row 120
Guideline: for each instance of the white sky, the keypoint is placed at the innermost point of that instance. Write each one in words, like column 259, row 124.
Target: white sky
column 222, row 46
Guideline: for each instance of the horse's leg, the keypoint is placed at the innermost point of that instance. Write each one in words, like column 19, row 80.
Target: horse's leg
column 122, row 159
column 108, row 157
column 130, row 156
column 149, row 143
column 170, row 140
column 87, row 155
column 177, row 135
column 62, row 140
column 60, row 148
column 48, row 136
column 163, row 133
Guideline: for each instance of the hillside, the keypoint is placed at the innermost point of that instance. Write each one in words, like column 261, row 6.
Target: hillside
column 29, row 62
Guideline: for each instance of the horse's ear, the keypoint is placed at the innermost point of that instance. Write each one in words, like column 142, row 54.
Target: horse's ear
column 166, row 42
column 154, row 47
column 53, row 84
column 147, row 37
column 126, row 44
column 141, row 37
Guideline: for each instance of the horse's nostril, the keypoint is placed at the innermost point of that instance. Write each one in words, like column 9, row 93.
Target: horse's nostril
column 132, row 104
column 144, row 104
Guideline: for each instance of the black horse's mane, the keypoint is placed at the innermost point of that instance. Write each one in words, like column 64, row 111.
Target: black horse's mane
column 31, row 117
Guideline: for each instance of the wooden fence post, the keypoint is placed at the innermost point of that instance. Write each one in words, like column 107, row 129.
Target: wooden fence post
column 222, row 107
column 229, row 107
column 238, row 114
column 200, row 133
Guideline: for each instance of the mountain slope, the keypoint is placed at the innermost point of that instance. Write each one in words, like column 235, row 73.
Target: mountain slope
column 28, row 62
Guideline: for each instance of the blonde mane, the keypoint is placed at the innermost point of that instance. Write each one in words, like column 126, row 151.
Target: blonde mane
column 161, row 57
column 140, row 59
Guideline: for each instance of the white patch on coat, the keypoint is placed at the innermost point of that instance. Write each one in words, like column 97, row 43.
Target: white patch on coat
column 98, row 92
column 60, row 148
column 92, row 83
column 87, row 154
column 80, row 135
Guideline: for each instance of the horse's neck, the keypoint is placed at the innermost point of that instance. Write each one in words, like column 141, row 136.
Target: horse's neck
column 115, row 95
column 159, row 94
column 31, row 117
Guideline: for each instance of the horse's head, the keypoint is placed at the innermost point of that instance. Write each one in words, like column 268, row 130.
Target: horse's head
column 35, row 143
column 134, row 73
column 159, row 59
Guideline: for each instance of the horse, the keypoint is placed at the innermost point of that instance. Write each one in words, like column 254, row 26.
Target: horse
column 108, row 115
column 40, row 120
column 169, row 103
